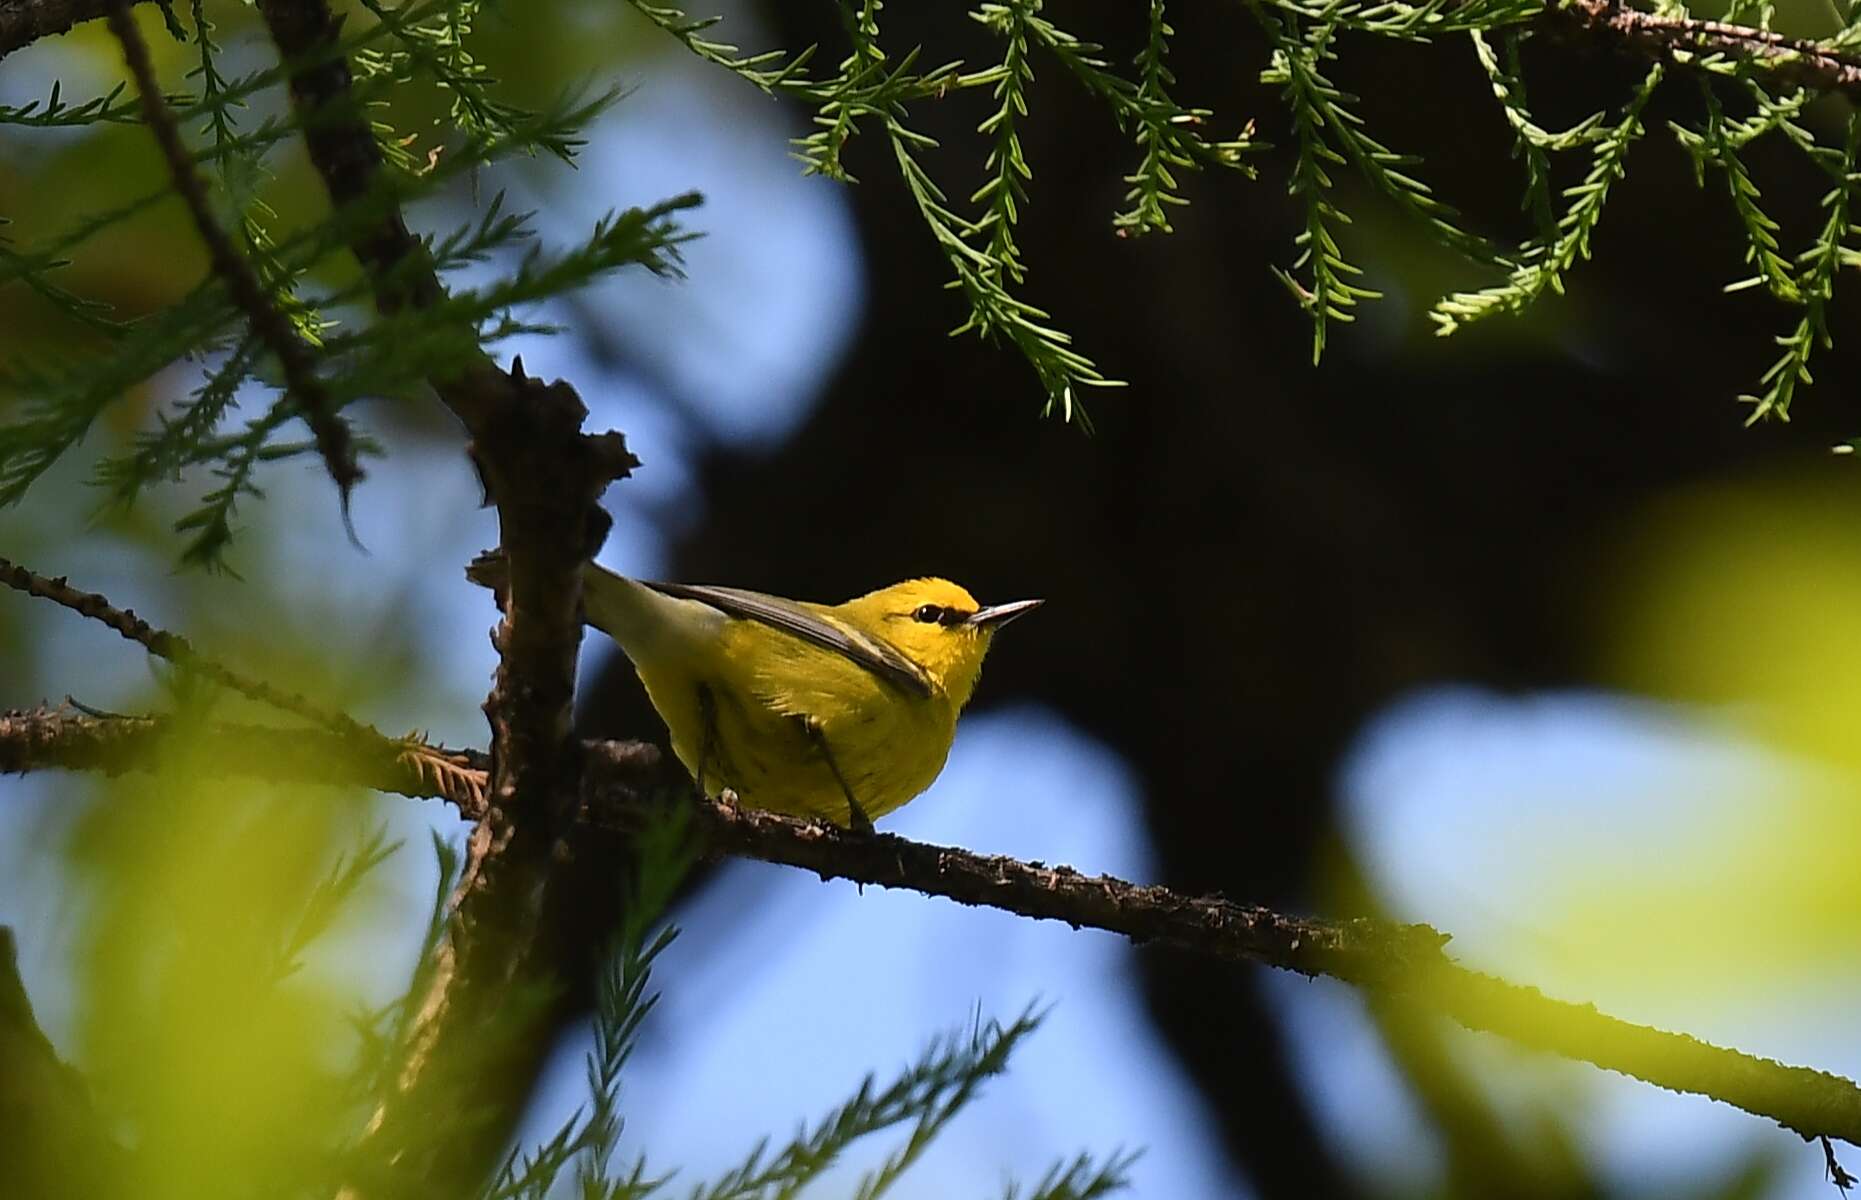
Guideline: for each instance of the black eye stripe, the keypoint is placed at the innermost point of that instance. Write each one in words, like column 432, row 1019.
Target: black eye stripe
column 937, row 614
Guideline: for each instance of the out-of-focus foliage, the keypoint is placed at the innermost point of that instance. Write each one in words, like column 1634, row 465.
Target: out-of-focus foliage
column 231, row 1046
column 210, row 1035
column 1746, row 603
column 1729, row 879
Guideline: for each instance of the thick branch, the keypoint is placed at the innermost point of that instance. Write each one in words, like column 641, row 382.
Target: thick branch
column 342, row 147
column 543, row 473
column 524, row 913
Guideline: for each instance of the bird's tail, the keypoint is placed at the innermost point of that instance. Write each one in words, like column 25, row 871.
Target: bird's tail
column 643, row 621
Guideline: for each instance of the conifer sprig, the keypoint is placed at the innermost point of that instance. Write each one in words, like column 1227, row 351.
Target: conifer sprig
column 1532, row 144
column 54, row 113
column 435, row 47
column 1080, row 1179
column 926, row 1095
column 1814, row 284
column 1168, row 139
column 1328, row 292
column 1717, row 145
column 1386, row 170
column 1412, row 21
column 66, row 397
column 1004, row 193
column 993, row 310
column 1328, row 134
column 296, row 358
column 1145, row 105
column 1545, row 261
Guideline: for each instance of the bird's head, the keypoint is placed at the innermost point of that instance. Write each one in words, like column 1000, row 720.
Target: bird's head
column 937, row 625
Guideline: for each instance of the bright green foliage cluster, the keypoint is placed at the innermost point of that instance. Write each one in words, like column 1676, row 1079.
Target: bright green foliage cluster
column 1327, row 137
column 232, row 1038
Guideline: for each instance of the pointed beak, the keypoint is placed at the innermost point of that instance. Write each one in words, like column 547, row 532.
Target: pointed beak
column 997, row 615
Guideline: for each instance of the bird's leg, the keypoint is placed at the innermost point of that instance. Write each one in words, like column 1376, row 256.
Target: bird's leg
column 707, row 713
column 857, row 816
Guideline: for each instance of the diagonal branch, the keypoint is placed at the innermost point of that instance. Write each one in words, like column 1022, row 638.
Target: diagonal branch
column 296, row 358
column 1404, row 962
column 173, row 647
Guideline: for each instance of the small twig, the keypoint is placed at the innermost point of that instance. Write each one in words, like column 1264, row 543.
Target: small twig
column 294, row 355
column 1833, row 1170
column 1684, row 40
column 175, row 648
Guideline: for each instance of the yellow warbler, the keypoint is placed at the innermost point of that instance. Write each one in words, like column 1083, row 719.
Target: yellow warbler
column 839, row 711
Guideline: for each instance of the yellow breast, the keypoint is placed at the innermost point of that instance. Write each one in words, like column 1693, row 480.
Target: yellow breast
column 762, row 686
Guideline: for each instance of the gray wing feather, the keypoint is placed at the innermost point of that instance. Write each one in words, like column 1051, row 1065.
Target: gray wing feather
column 876, row 655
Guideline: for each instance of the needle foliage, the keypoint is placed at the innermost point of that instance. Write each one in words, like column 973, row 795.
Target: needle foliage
column 217, row 436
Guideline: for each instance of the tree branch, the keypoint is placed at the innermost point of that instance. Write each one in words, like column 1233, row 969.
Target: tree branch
column 296, row 358
column 1798, row 62
column 23, row 22
column 1684, row 41
column 69, row 739
column 343, row 149
column 174, row 648
column 1404, row 962
column 525, row 916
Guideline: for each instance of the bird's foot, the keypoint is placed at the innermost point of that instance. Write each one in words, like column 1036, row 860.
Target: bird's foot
column 857, row 820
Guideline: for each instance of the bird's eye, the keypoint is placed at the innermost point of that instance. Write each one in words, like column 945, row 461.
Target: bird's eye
column 930, row 614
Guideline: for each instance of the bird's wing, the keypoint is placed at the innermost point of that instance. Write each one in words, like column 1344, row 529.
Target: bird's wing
column 874, row 654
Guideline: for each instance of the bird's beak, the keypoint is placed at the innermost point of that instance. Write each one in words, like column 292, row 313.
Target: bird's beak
column 997, row 615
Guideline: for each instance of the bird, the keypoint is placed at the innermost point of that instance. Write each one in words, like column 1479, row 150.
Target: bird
column 839, row 712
